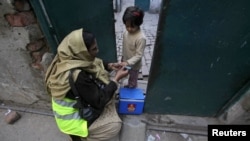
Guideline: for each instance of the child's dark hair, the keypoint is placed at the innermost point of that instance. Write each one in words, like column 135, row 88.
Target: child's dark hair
column 134, row 15
column 88, row 38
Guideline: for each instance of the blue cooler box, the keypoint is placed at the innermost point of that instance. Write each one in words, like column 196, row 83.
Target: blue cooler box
column 131, row 101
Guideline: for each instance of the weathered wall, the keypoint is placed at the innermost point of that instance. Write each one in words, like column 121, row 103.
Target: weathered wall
column 19, row 82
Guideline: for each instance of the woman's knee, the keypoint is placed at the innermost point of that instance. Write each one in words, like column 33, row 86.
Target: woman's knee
column 105, row 132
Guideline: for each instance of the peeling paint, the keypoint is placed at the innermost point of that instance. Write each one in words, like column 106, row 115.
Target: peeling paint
column 211, row 65
column 243, row 44
column 167, row 98
column 218, row 59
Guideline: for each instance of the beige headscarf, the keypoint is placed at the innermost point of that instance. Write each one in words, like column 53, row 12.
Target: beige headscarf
column 72, row 53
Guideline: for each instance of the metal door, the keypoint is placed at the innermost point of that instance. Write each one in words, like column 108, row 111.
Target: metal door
column 201, row 61
column 58, row 18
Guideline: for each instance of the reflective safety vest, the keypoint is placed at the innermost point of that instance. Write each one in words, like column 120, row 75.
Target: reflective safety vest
column 68, row 119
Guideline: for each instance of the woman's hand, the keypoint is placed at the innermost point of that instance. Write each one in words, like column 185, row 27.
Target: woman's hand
column 121, row 73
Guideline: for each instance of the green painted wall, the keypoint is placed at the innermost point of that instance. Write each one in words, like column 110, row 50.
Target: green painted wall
column 201, row 59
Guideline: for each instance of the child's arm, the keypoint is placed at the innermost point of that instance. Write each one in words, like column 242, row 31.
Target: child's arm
column 141, row 44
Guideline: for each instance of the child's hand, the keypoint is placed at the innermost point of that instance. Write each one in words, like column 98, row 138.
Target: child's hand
column 124, row 63
column 114, row 66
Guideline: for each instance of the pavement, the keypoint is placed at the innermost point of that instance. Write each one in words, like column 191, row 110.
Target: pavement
column 39, row 125
column 30, row 127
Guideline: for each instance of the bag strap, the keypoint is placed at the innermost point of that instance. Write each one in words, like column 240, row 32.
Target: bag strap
column 73, row 88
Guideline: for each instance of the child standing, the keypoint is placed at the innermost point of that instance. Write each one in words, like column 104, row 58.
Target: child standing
column 134, row 42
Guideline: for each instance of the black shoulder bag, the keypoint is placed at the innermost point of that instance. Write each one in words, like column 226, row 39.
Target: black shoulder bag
column 86, row 112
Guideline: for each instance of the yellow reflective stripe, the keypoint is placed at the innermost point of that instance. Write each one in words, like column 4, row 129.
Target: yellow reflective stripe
column 68, row 119
column 68, row 116
column 65, row 103
column 62, row 106
column 65, row 109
